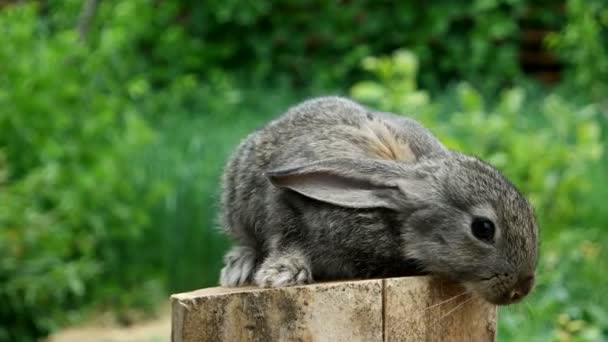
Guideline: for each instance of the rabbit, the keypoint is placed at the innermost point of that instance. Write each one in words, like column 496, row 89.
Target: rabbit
column 331, row 190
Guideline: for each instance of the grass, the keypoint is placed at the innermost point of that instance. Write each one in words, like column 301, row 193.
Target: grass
column 190, row 153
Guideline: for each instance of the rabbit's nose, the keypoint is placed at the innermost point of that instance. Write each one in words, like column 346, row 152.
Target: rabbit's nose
column 522, row 288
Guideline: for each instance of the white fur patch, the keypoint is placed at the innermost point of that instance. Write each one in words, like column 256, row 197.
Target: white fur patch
column 239, row 266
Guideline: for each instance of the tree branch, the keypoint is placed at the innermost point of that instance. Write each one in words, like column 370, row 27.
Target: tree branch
column 86, row 16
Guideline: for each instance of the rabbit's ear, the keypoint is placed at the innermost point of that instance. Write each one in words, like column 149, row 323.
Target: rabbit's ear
column 351, row 183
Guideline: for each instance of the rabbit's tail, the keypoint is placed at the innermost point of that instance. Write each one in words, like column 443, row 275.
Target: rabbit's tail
column 239, row 265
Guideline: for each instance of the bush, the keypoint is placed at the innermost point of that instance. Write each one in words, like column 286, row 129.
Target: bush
column 314, row 42
column 298, row 39
column 582, row 44
column 68, row 219
column 550, row 149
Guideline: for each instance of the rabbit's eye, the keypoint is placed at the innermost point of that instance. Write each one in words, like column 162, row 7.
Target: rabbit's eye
column 483, row 229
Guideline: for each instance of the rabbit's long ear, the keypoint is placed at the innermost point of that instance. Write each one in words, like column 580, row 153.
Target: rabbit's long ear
column 351, row 183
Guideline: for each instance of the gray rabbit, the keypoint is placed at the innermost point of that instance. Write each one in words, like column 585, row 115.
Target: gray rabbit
column 332, row 190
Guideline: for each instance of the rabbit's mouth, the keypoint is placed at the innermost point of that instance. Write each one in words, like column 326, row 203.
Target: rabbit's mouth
column 499, row 290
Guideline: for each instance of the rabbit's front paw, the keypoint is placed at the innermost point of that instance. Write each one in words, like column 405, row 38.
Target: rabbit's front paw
column 239, row 266
column 286, row 270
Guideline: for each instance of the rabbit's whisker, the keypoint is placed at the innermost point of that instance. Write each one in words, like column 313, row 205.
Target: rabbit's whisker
column 454, row 309
column 446, row 301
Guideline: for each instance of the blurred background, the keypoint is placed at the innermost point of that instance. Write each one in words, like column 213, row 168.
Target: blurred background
column 116, row 118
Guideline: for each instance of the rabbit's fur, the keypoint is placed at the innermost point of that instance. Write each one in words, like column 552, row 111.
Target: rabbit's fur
column 332, row 190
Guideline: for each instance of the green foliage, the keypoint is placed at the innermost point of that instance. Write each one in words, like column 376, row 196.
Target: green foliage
column 551, row 156
column 583, row 44
column 321, row 43
column 311, row 41
column 396, row 84
column 568, row 303
column 67, row 219
column 190, row 153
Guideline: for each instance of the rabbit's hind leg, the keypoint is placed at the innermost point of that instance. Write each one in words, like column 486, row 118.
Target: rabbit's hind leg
column 285, row 268
column 239, row 266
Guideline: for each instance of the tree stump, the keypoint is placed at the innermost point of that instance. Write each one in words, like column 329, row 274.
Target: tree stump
column 393, row 309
